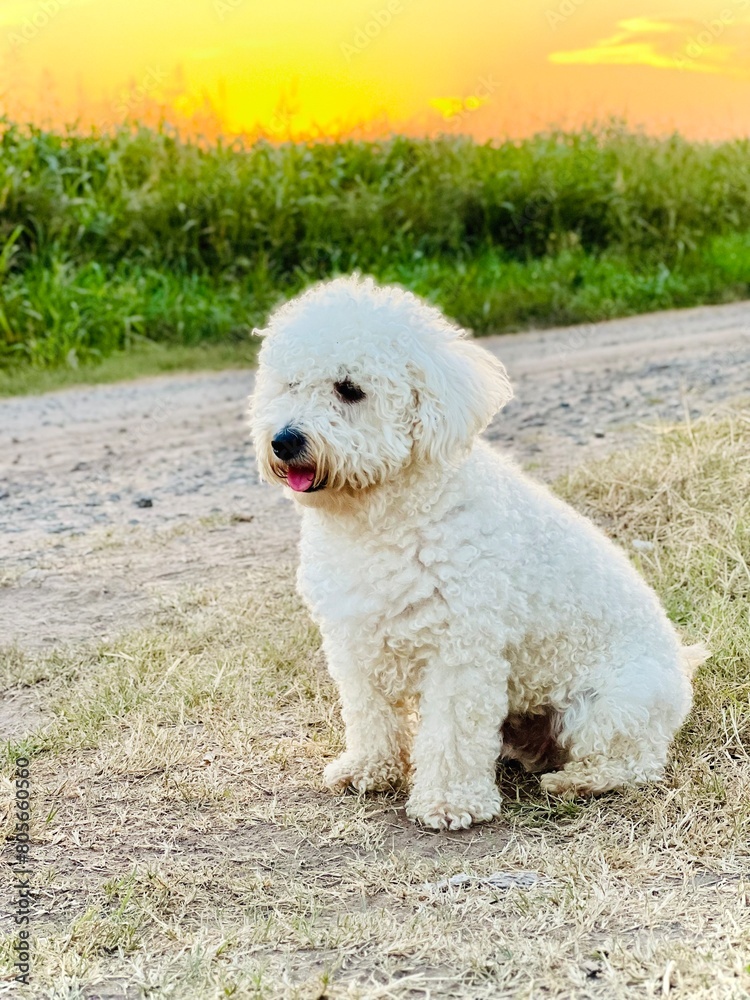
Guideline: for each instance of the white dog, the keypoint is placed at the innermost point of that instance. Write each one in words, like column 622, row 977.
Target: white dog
column 443, row 580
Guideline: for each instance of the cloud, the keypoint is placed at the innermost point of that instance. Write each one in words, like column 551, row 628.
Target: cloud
column 453, row 107
column 718, row 45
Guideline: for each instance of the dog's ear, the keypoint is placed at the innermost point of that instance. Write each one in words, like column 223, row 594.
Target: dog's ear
column 458, row 388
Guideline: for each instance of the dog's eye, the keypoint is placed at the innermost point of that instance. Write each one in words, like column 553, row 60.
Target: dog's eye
column 348, row 391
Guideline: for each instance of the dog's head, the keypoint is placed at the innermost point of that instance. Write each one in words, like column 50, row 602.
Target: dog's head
column 357, row 382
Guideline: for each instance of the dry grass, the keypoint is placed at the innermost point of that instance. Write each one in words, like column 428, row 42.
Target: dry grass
column 185, row 846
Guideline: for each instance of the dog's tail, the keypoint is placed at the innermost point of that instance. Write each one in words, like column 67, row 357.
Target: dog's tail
column 694, row 656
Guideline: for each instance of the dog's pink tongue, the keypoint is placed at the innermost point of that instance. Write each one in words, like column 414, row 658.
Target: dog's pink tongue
column 300, row 479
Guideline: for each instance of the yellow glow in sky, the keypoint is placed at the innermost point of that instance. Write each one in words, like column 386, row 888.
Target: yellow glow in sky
column 297, row 68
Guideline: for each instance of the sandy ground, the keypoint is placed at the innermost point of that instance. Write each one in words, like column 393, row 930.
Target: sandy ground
column 115, row 497
column 118, row 500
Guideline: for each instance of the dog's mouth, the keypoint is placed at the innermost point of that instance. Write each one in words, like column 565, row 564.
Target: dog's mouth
column 301, row 479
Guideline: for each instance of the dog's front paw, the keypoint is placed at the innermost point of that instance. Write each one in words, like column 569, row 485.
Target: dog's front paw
column 454, row 812
column 363, row 774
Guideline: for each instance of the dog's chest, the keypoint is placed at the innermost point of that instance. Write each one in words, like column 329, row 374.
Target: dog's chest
column 380, row 586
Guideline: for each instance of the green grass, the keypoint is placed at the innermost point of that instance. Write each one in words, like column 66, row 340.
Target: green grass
column 145, row 360
column 110, row 241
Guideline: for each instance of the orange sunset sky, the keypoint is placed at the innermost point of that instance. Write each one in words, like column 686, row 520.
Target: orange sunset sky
column 299, row 68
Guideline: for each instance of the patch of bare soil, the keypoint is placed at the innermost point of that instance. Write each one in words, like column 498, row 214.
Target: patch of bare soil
column 183, row 845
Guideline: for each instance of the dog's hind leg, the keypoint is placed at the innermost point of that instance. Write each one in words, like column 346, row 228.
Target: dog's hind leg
column 598, row 773
column 618, row 731
column 613, row 739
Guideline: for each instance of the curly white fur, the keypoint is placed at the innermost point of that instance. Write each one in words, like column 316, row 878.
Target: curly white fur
column 443, row 580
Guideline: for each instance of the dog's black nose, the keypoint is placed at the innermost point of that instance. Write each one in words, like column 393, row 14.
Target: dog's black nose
column 288, row 444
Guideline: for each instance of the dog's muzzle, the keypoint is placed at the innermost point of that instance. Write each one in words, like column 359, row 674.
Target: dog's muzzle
column 290, row 447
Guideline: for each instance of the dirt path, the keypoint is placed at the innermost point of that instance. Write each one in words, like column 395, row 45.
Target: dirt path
column 114, row 498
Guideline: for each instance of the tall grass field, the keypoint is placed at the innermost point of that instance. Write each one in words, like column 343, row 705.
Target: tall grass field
column 109, row 243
